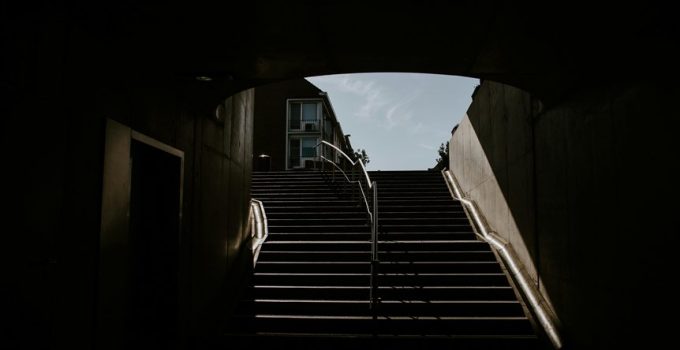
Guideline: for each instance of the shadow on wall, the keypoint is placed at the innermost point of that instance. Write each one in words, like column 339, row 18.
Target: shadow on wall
column 580, row 189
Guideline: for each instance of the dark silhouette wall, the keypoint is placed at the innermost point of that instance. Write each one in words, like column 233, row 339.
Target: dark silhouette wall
column 55, row 244
column 589, row 183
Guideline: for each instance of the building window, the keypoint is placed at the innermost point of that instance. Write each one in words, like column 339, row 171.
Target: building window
column 301, row 150
column 304, row 116
column 308, row 147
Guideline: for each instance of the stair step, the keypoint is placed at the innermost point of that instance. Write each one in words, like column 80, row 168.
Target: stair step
column 282, row 188
column 360, row 256
column 442, row 279
column 449, row 206
column 436, row 256
column 384, row 267
column 443, row 199
column 319, row 246
column 363, row 256
column 432, row 245
column 333, row 236
column 305, row 255
column 311, row 292
column 386, row 293
column 333, row 227
column 422, row 197
column 306, row 198
column 404, row 325
column 408, row 220
column 446, row 293
column 361, row 307
column 418, row 236
column 294, row 194
column 275, row 184
column 417, row 214
column 385, row 280
column 318, row 221
column 406, row 227
column 439, row 266
column 388, row 246
column 310, row 203
column 425, row 223
column 409, row 193
column 290, row 215
column 312, row 279
column 366, row 235
column 335, row 341
column 412, row 187
column 316, row 267
column 353, row 207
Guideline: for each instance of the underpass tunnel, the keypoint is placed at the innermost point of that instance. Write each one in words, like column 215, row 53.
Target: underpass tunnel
column 575, row 120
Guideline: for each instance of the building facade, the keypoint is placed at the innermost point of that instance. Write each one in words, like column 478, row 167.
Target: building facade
column 291, row 120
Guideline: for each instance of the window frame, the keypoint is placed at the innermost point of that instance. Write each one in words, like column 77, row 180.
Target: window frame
column 302, row 101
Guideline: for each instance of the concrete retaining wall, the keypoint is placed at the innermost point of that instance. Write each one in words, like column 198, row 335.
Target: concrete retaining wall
column 580, row 190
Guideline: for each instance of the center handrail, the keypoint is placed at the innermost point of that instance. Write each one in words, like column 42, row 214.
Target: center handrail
column 353, row 163
column 368, row 178
column 373, row 215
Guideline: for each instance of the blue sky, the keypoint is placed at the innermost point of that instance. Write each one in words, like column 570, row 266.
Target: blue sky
column 399, row 118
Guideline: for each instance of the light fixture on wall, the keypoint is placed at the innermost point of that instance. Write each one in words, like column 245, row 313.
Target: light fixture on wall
column 204, row 78
column 220, row 113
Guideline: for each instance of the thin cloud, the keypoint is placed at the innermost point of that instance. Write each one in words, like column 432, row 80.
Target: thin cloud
column 401, row 114
column 427, row 147
column 396, row 117
column 372, row 96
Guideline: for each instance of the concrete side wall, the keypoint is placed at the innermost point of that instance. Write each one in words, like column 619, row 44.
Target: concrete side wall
column 55, row 183
column 582, row 191
column 502, row 178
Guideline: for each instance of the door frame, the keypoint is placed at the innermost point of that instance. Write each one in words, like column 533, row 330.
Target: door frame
column 114, row 245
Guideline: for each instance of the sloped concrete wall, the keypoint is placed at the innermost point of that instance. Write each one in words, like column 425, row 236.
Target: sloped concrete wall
column 584, row 189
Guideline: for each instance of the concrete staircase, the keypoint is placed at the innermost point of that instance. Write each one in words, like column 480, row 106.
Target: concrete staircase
column 438, row 285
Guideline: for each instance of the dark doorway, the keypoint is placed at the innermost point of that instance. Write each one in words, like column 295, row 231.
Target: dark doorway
column 155, row 194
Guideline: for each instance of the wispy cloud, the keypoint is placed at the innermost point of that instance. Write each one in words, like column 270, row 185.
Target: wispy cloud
column 401, row 113
column 372, row 96
column 398, row 115
column 428, row 147
column 378, row 103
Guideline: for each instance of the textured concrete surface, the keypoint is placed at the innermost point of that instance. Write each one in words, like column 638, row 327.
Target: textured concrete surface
column 584, row 191
column 478, row 182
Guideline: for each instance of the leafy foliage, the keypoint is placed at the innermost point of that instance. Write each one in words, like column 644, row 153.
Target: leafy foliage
column 443, row 160
column 360, row 154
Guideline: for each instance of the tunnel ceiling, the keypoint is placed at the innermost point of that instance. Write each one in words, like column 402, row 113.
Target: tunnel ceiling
column 545, row 50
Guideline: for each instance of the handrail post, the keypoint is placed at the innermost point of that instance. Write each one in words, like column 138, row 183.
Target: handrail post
column 354, row 187
column 321, row 153
column 375, row 261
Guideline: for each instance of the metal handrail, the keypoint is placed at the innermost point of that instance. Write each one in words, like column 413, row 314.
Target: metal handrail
column 361, row 188
column 546, row 316
column 259, row 228
column 368, row 178
column 354, row 163
column 372, row 214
